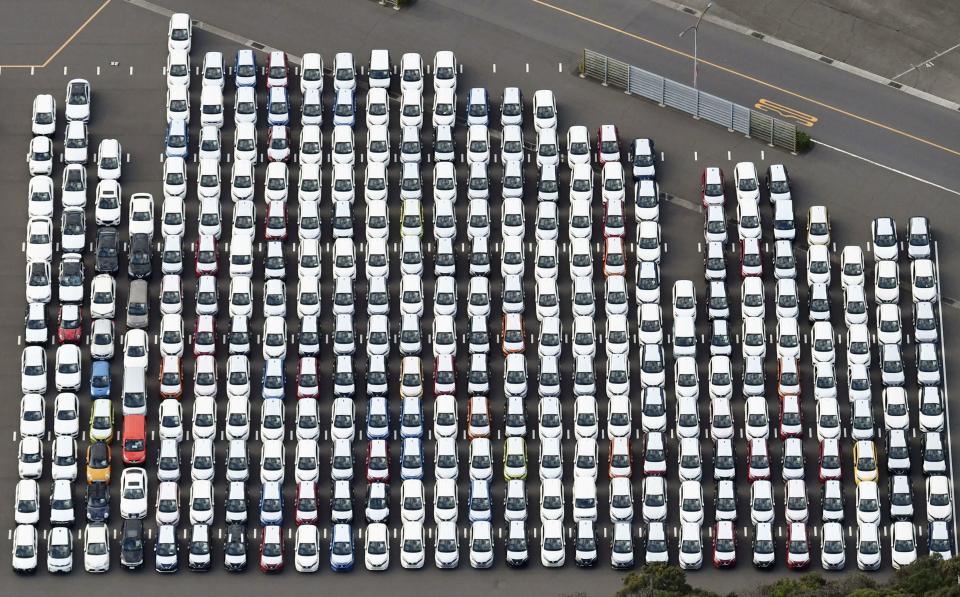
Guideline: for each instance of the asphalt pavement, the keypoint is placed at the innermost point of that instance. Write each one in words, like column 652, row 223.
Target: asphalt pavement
column 526, row 45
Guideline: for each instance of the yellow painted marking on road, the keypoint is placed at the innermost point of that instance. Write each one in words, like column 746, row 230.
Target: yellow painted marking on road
column 765, row 105
column 64, row 44
column 737, row 73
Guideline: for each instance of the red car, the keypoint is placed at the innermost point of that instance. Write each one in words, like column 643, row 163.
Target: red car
column 711, row 187
column 724, row 544
column 275, row 222
column 134, row 439
column 271, row 549
column 305, row 504
column 206, row 256
column 798, row 546
column 308, row 380
column 70, row 326
column 378, row 461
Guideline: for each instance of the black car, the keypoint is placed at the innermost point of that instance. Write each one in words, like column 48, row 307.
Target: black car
column 98, row 502
column 108, row 250
column 140, row 257
column 235, row 549
column 131, row 544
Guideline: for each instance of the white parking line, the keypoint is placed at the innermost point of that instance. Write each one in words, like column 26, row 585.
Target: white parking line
column 946, row 394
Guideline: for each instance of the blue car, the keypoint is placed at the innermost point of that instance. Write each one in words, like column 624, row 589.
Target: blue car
column 100, row 379
column 341, row 548
column 278, row 107
column 271, row 503
column 378, row 418
column 345, row 108
column 245, row 69
column 274, row 379
column 177, row 139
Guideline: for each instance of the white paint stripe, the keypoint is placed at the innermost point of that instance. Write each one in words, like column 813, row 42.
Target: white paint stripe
column 946, row 394
column 888, row 168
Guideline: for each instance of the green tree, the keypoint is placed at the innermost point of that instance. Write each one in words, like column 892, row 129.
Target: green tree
column 659, row 580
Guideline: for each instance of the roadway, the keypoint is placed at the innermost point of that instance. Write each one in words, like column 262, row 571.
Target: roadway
column 494, row 45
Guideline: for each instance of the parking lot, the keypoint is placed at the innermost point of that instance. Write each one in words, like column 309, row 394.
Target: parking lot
column 128, row 105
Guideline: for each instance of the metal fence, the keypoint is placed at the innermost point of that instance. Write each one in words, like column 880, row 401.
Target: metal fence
column 668, row 92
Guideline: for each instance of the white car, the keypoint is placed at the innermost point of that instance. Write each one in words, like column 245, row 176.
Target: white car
column 851, row 266
column 96, row 548
column 939, row 498
column 40, row 196
column 887, row 281
column 109, row 160
column 140, row 217
column 66, row 415
column 40, row 153
column 923, row 280
column 903, row 544
column 68, row 368
column 135, row 348
column 133, row 493
column 307, row 548
column 76, row 143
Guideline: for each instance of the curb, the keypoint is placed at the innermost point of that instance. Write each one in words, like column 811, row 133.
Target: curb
column 864, row 74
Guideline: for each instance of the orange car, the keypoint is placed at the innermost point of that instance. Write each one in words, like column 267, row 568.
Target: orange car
column 98, row 462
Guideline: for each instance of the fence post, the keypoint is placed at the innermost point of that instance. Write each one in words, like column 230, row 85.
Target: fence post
column 730, row 128
column 583, row 64
column 627, row 89
column 606, row 69
column 696, row 111
column 663, row 92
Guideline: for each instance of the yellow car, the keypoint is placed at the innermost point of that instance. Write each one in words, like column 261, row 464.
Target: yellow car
column 101, row 420
column 98, row 462
column 515, row 458
column 864, row 461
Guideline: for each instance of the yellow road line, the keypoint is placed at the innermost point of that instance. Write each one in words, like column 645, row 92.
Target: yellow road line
column 737, row 73
column 765, row 105
column 64, row 44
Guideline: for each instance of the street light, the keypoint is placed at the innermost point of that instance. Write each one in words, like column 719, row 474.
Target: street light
column 696, row 30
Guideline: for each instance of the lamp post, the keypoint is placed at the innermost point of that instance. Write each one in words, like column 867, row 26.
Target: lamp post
column 696, row 30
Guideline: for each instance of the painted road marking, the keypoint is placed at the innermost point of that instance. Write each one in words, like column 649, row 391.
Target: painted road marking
column 765, row 105
column 64, row 44
column 822, row 104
